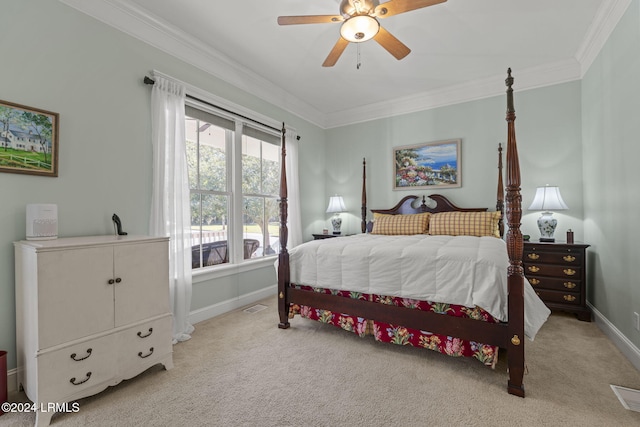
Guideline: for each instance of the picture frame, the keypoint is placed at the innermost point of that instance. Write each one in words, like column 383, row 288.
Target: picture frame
column 28, row 140
column 429, row 165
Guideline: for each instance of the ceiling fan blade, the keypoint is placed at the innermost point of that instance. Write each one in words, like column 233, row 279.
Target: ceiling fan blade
column 309, row 19
column 394, row 46
column 394, row 7
column 335, row 53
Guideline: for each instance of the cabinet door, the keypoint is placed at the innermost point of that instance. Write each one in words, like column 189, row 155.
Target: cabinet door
column 75, row 298
column 143, row 289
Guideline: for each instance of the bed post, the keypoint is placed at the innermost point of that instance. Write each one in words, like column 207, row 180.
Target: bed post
column 364, row 196
column 515, row 282
column 500, row 196
column 283, row 257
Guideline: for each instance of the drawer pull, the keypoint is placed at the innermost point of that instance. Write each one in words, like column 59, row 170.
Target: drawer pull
column 534, row 281
column 534, row 269
column 569, row 272
column 569, row 285
column 144, row 356
column 533, row 256
column 73, row 380
column 145, row 335
column 77, row 359
column 111, row 281
column 569, row 298
column 569, row 258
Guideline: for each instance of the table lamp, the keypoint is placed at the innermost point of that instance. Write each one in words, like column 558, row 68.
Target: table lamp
column 547, row 198
column 336, row 205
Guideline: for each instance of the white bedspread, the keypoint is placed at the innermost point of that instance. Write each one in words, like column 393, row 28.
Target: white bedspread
column 462, row 270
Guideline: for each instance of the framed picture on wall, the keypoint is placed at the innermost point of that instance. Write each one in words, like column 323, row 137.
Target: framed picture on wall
column 28, row 140
column 427, row 166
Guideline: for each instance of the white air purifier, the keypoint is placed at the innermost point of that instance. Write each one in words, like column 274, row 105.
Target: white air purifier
column 42, row 222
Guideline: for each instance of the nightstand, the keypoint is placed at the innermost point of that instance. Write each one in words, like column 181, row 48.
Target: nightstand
column 324, row 236
column 557, row 271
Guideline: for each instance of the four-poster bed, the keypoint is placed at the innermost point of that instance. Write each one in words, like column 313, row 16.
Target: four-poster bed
column 371, row 302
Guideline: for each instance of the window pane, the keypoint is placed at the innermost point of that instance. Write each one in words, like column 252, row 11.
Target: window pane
column 209, row 230
column 270, row 169
column 213, row 160
column 251, row 167
column 273, row 215
column 209, row 143
column 260, row 225
column 253, row 225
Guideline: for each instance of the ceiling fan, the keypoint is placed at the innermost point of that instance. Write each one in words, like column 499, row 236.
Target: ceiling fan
column 360, row 23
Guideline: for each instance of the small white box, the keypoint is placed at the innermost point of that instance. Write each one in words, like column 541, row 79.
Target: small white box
column 42, row 222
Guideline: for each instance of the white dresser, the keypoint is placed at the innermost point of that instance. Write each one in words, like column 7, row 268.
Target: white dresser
column 90, row 312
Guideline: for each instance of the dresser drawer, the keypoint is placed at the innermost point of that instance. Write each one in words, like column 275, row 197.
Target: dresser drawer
column 565, row 298
column 542, row 282
column 552, row 270
column 72, row 369
column 567, row 257
column 144, row 344
column 558, row 273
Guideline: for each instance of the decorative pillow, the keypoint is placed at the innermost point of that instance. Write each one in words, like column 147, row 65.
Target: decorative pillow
column 465, row 224
column 400, row 224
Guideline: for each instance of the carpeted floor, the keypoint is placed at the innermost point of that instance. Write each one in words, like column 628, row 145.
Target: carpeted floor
column 239, row 369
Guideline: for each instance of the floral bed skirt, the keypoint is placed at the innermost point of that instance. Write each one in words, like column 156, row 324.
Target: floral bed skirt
column 397, row 334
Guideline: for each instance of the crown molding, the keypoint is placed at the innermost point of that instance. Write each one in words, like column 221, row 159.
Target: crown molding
column 531, row 78
column 605, row 21
column 138, row 23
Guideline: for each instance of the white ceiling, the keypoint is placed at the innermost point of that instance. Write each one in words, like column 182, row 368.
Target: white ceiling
column 460, row 49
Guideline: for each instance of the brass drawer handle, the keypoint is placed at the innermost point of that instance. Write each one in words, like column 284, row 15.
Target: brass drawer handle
column 569, row 272
column 534, row 269
column 569, row 285
column 569, row 258
column 534, row 281
column 533, row 256
column 569, row 298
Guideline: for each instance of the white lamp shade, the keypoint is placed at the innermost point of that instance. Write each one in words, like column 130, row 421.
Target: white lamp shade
column 359, row 28
column 336, row 204
column 548, row 198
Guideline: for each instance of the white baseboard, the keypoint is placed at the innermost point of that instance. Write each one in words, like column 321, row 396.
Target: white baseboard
column 232, row 304
column 12, row 380
column 627, row 348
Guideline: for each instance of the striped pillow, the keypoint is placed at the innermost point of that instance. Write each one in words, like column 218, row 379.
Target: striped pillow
column 400, row 224
column 465, row 224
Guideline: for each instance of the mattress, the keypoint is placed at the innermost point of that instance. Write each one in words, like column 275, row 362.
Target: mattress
column 462, row 270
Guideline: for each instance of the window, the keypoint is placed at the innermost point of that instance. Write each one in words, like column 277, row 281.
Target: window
column 233, row 167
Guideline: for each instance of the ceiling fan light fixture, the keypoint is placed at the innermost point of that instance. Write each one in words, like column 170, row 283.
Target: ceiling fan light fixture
column 359, row 28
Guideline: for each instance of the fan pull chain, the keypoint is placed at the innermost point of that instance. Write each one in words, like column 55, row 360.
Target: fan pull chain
column 358, row 62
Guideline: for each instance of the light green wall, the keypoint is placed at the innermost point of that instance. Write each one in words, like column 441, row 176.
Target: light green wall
column 548, row 131
column 92, row 75
column 61, row 60
column 611, row 128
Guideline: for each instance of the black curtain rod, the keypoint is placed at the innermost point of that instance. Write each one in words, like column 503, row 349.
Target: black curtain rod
column 150, row 81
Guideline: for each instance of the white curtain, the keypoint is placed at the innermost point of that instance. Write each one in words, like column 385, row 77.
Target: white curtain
column 294, row 222
column 170, row 202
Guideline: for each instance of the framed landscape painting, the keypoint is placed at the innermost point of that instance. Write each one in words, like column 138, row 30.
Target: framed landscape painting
column 427, row 166
column 28, row 140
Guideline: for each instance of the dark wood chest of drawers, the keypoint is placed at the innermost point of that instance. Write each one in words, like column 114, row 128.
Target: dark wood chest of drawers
column 557, row 272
